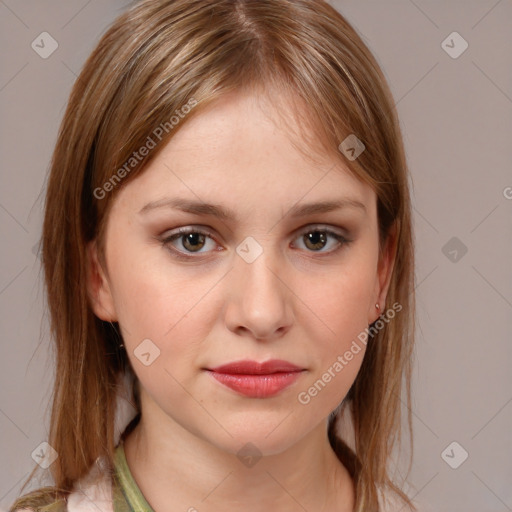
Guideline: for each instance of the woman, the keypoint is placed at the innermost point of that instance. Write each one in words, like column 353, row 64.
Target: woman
column 228, row 226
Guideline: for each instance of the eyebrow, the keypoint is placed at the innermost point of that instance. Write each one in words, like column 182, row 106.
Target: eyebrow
column 221, row 212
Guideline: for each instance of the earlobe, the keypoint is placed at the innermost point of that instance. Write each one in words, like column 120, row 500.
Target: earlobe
column 385, row 270
column 98, row 289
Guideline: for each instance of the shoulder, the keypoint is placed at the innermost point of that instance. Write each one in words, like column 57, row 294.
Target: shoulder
column 93, row 493
column 45, row 499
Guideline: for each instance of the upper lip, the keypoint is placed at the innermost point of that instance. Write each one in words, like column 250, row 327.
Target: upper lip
column 247, row 367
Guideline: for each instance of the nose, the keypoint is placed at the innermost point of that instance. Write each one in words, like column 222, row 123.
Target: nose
column 259, row 298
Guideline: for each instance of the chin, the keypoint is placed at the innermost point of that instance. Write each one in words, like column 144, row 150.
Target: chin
column 257, row 441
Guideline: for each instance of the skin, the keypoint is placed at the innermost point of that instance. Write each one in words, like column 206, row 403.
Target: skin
column 297, row 301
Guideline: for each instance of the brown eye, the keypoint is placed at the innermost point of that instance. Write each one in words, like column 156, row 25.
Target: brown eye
column 315, row 240
column 190, row 241
column 187, row 242
column 193, row 241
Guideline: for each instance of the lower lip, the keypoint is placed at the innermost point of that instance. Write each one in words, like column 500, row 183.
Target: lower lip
column 257, row 386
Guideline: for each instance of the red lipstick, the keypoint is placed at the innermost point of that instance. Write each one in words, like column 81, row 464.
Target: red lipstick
column 257, row 380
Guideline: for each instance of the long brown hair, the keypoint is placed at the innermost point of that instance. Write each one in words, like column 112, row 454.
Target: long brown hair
column 159, row 64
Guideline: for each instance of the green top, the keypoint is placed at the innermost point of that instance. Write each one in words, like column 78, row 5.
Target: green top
column 126, row 495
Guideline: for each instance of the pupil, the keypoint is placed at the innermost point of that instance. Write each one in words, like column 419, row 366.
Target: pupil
column 191, row 239
column 314, row 236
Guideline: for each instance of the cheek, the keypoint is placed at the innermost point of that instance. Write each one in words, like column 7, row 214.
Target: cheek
column 153, row 306
column 339, row 343
column 152, row 299
column 173, row 310
column 340, row 304
column 166, row 319
column 341, row 300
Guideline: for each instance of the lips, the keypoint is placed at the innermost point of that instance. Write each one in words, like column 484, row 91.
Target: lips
column 257, row 380
column 247, row 367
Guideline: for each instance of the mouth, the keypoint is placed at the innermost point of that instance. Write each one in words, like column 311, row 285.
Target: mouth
column 257, row 380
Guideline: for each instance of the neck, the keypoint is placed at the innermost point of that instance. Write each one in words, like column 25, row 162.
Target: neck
column 169, row 463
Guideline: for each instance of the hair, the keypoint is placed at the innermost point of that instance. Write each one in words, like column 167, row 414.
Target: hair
column 157, row 58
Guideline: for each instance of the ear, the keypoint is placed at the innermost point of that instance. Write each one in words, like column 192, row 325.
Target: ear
column 98, row 288
column 384, row 272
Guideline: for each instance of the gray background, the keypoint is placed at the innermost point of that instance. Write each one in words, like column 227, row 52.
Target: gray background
column 456, row 118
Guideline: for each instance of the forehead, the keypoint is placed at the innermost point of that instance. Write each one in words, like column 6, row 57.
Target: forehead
column 268, row 121
column 238, row 152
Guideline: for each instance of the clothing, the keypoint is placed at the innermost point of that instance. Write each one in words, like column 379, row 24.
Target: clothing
column 130, row 497
column 98, row 492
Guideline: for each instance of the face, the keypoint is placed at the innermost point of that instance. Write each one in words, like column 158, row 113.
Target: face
column 270, row 280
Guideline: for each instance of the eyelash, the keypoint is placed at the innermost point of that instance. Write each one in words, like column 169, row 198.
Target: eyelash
column 166, row 241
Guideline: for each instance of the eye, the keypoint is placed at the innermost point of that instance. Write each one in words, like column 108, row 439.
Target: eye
column 189, row 240
column 316, row 238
